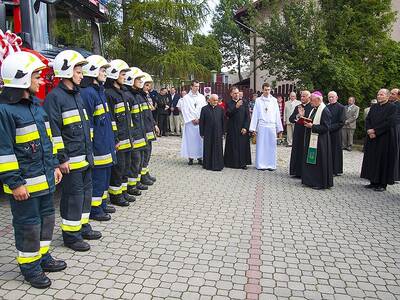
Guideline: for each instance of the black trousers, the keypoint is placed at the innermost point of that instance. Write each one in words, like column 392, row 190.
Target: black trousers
column 75, row 204
column 135, row 168
column 163, row 123
column 146, row 156
column 119, row 174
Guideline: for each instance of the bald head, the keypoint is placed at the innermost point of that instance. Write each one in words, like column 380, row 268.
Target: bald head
column 213, row 100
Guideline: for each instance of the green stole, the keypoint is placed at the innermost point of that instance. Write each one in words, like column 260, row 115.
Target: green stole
column 313, row 142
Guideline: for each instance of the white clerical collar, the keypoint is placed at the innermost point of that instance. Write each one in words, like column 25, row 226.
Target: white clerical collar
column 266, row 98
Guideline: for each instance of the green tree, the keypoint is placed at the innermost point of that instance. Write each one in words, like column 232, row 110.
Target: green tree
column 233, row 41
column 156, row 35
column 336, row 45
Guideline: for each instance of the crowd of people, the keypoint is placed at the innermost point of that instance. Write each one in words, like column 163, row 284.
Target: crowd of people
column 93, row 136
column 317, row 132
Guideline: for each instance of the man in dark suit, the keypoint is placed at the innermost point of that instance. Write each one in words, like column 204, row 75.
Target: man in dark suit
column 174, row 119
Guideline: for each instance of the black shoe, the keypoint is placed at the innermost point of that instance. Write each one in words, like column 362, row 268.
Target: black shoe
column 269, row 169
column 109, row 209
column 80, row 246
column 190, row 161
column 41, row 281
column 134, row 192
column 244, row 168
column 53, row 265
column 129, row 198
column 370, row 186
column 92, row 235
column 317, row 188
column 200, row 161
column 120, row 201
column 141, row 186
column 152, row 178
column 103, row 217
column 146, row 181
column 379, row 189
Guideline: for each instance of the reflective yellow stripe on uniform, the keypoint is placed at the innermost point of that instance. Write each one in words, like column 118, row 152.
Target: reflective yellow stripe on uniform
column 28, row 257
column 44, row 247
column 124, row 186
column 99, row 110
column 139, row 143
column 131, row 181
column 150, row 135
column 8, row 163
column 144, row 106
column 105, row 195
column 119, row 107
column 143, row 171
column 135, row 109
column 115, row 190
column 35, row 184
column 26, row 134
column 96, row 201
column 107, row 109
column 114, row 125
column 125, row 144
column 77, row 162
column 103, row 160
column 85, row 218
column 58, row 143
column 71, row 116
column 48, row 129
column 86, row 116
column 67, row 225
column 91, row 134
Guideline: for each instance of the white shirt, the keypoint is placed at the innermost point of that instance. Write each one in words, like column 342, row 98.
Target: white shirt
column 191, row 106
column 289, row 108
column 266, row 114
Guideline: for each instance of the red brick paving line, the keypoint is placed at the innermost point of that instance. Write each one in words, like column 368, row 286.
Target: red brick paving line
column 253, row 287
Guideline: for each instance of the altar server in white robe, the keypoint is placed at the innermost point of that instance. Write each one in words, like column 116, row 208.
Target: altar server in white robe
column 190, row 106
column 266, row 124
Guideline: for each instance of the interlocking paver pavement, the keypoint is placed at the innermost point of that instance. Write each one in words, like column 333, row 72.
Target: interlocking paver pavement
column 230, row 235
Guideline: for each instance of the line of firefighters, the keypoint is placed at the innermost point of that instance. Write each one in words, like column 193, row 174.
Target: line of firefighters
column 93, row 134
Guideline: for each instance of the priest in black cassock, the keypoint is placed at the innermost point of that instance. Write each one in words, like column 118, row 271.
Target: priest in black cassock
column 317, row 164
column 212, row 130
column 237, row 146
column 338, row 117
column 296, row 157
column 379, row 155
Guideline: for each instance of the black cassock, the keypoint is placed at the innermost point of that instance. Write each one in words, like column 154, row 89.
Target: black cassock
column 320, row 174
column 237, row 146
column 396, row 141
column 212, row 130
column 379, row 154
column 338, row 117
column 296, row 156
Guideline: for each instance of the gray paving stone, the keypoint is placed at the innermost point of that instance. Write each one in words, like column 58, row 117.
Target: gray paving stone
column 189, row 241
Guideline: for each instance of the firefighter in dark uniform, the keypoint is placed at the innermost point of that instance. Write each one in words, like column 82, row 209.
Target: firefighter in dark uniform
column 120, row 112
column 94, row 100
column 70, row 126
column 151, row 127
column 133, row 78
column 28, row 167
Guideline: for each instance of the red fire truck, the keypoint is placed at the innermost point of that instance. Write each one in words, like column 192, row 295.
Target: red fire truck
column 49, row 26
